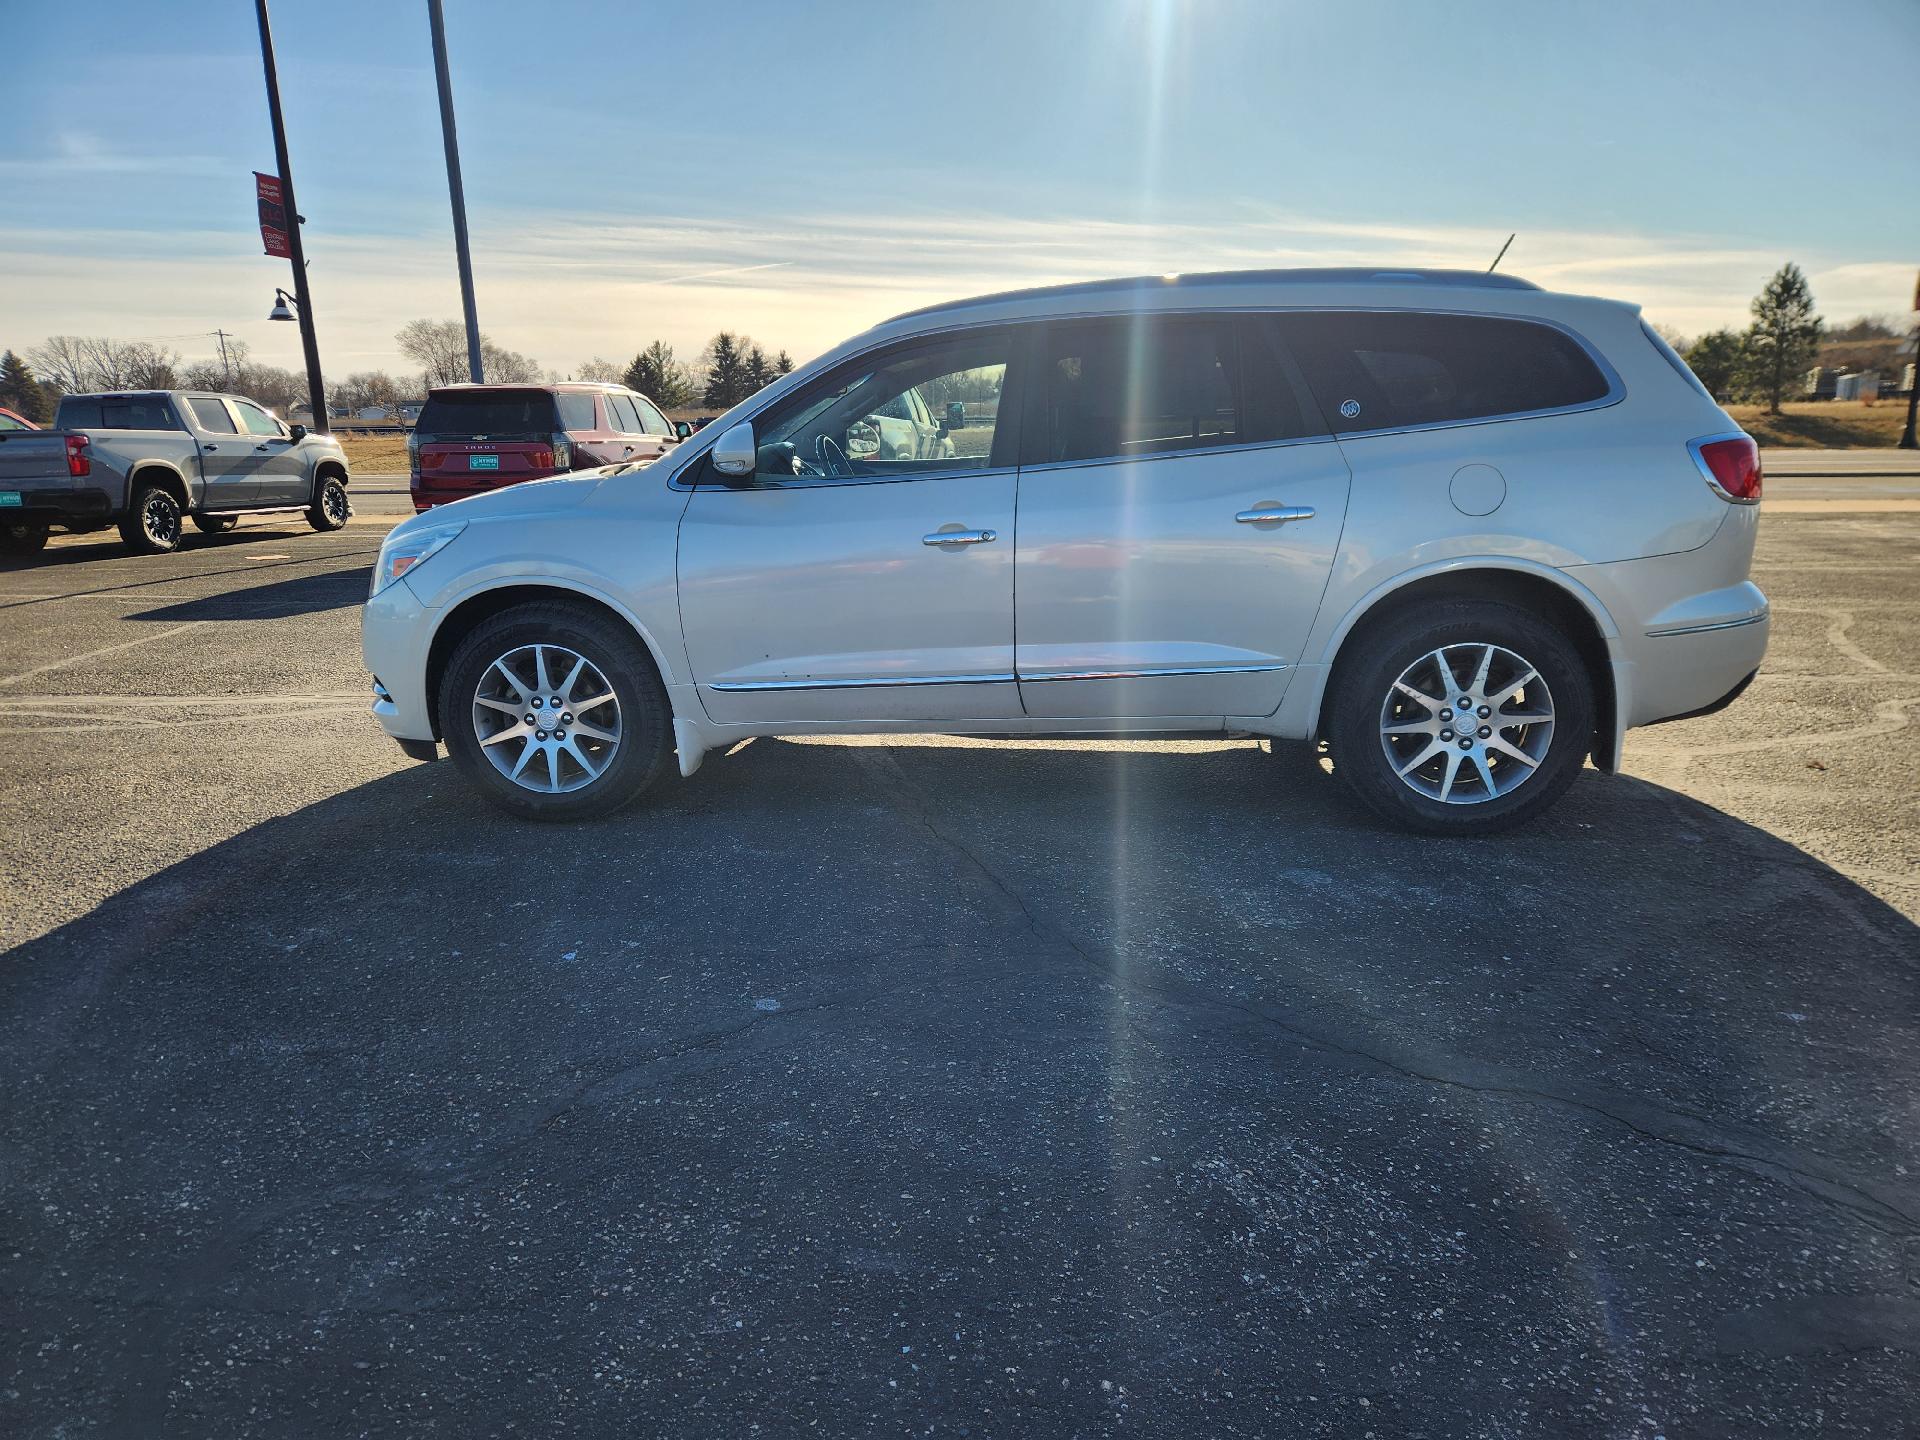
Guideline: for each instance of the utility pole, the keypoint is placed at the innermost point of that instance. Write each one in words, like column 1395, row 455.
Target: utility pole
column 438, row 23
column 226, row 369
column 1908, row 441
column 316, row 388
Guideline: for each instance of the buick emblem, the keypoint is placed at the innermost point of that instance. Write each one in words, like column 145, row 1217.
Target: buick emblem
column 1350, row 408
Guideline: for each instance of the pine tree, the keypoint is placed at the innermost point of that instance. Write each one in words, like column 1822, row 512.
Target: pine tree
column 1784, row 336
column 759, row 371
column 656, row 374
column 726, row 372
column 1716, row 360
column 20, row 391
column 783, row 364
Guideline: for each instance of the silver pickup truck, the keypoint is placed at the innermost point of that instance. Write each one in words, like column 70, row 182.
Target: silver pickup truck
column 148, row 460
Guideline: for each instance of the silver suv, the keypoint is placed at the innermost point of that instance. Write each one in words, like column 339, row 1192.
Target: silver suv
column 1467, row 532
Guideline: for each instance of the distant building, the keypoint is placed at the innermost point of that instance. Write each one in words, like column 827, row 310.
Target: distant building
column 1863, row 385
column 410, row 411
column 1821, row 381
column 373, row 412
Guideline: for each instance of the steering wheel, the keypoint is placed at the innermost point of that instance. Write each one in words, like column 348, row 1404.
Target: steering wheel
column 828, row 452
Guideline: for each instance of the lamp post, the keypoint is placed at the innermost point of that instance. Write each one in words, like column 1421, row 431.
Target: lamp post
column 438, row 24
column 303, row 302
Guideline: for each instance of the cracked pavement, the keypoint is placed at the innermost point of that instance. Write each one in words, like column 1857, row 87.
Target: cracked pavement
column 930, row 1086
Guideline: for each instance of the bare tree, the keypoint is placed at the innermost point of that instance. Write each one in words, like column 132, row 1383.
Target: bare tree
column 598, row 369
column 508, row 367
column 438, row 347
column 63, row 360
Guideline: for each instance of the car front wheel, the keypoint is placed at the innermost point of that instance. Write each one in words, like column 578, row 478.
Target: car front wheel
column 330, row 507
column 1461, row 718
column 555, row 712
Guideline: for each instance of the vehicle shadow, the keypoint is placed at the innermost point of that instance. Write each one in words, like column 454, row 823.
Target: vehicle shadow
column 107, row 545
column 843, row 1058
column 301, row 595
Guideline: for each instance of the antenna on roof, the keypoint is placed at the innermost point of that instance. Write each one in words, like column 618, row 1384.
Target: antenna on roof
column 1502, row 255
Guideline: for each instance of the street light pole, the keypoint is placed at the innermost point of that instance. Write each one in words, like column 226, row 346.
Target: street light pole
column 316, row 389
column 437, row 22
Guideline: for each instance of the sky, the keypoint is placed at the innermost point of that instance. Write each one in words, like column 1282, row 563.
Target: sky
column 800, row 171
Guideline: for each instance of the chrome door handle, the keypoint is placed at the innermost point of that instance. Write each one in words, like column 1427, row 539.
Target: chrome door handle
column 1275, row 515
column 959, row 537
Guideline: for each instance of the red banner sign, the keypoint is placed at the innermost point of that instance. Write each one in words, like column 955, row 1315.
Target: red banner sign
column 273, row 215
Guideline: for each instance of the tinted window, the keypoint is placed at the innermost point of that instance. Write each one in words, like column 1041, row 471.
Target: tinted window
column 7, row 422
column 258, row 422
column 131, row 412
column 652, row 422
column 212, row 415
column 1150, row 385
column 576, row 410
column 499, row 413
column 847, row 425
column 625, row 420
column 1382, row 371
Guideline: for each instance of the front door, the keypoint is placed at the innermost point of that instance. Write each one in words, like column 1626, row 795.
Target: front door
column 1180, row 509
column 840, row 584
column 273, row 458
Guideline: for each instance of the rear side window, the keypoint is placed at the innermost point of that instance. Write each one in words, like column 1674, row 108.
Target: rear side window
column 212, row 415
column 624, row 420
column 133, row 412
column 1146, row 385
column 1384, row 371
column 496, row 414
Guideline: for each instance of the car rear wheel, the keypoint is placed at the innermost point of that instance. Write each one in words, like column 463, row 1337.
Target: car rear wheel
column 555, row 712
column 152, row 523
column 330, row 507
column 1462, row 718
column 22, row 539
column 215, row 524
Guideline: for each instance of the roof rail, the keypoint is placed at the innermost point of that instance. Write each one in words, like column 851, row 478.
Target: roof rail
column 1341, row 275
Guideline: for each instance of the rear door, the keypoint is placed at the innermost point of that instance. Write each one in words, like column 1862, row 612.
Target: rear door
column 1180, row 507
column 279, row 477
column 226, row 455
column 655, row 429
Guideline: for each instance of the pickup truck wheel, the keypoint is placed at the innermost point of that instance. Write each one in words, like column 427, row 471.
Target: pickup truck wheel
column 1461, row 718
column 215, row 524
column 555, row 713
column 330, row 505
column 22, row 539
column 151, row 525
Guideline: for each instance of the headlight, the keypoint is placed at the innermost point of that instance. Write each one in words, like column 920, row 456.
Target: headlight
column 402, row 553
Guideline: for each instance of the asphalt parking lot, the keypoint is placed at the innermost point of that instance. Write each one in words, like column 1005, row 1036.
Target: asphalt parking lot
column 940, row 1087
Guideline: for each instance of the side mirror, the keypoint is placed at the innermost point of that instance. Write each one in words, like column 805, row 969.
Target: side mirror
column 733, row 453
column 297, row 434
column 956, row 415
column 681, row 429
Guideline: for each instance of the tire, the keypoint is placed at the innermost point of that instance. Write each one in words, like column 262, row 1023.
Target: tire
column 215, row 524
column 1530, row 765
column 330, row 507
column 152, row 523
column 638, row 713
column 22, row 539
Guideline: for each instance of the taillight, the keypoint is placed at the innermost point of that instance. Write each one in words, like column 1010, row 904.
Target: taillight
column 78, row 461
column 562, row 453
column 413, row 453
column 1732, row 467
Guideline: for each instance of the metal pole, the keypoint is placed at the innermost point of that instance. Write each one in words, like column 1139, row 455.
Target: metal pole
column 454, row 188
column 316, row 388
column 226, row 368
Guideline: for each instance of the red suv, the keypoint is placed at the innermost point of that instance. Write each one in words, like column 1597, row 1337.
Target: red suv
column 474, row 438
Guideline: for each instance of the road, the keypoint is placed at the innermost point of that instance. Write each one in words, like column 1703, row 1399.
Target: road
column 940, row 1086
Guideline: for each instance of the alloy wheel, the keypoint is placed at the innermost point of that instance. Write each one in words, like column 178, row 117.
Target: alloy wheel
column 160, row 520
column 333, row 502
column 546, row 718
column 1465, row 724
